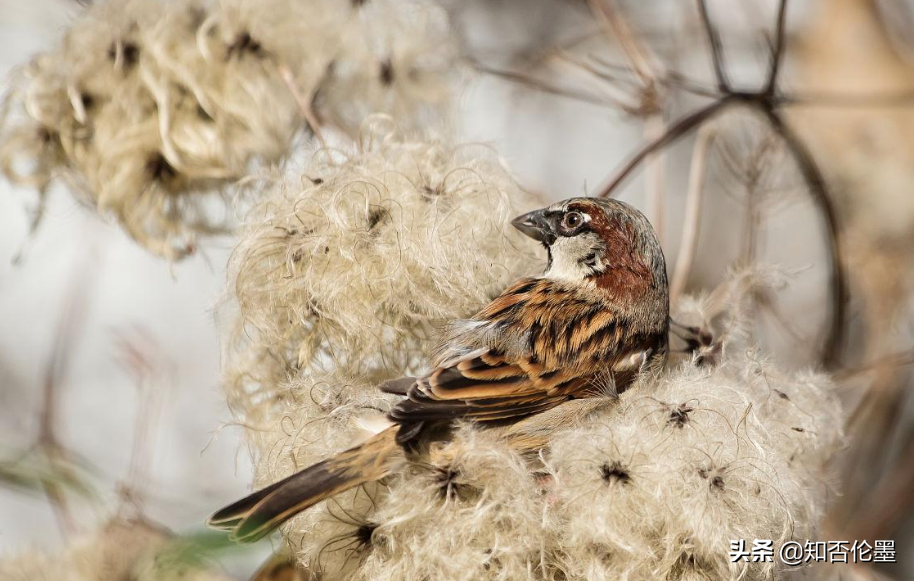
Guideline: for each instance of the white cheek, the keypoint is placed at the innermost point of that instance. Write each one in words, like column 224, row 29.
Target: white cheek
column 566, row 255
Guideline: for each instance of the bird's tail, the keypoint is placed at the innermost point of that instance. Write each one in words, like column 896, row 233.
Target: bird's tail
column 255, row 515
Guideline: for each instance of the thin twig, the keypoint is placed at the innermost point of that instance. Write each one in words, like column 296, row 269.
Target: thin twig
column 654, row 184
column 542, row 86
column 777, row 53
column 65, row 339
column 815, row 181
column 143, row 359
column 303, row 104
column 611, row 18
column 592, row 71
column 717, row 56
column 669, row 78
column 673, row 133
column 692, row 218
column 681, row 81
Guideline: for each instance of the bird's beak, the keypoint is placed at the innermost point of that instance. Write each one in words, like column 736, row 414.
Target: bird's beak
column 536, row 225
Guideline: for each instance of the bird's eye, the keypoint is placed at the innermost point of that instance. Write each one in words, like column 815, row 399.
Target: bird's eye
column 572, row 220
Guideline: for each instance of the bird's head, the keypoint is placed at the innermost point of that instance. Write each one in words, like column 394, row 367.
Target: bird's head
column 605, row 242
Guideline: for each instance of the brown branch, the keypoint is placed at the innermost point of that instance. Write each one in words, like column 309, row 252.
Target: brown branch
column 141, row 356
column 592, row 71
column 543, row 87
column 65, row 338
column 681, row 81
column 692, row 218
column 654, row 126
column 811, row 174
column 673, row 133
column 777, row 53
column 717, row 55
column 821, row 197
column 303, row 105
column 612, row 21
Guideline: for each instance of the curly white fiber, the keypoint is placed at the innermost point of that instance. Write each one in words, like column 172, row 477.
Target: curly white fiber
column 149, row 108
column 659, row 486
column 399, row 58
column 340, row 281
column 350, row 268
column 652, row 486
column 655, row 487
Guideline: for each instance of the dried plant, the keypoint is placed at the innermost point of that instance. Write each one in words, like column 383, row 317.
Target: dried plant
column 654, row 486
column 350, row 267
column 399, row 58
column 149, row 109
column 389, row 238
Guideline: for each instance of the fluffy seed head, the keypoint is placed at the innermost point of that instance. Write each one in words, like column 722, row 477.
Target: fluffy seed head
column 148, row 110
column 353, row 266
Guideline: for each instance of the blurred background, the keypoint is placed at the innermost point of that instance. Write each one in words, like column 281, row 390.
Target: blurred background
column 110, row 356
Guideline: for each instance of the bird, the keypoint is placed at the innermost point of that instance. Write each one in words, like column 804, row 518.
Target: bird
column 541, row 355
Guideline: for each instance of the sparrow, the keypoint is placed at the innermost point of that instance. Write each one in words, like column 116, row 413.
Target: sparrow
column 536, row 358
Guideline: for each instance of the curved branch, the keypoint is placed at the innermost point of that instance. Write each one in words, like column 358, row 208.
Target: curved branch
column 717, row 51
column 777, row 52
column 613, row 22
column 692, row 217
column 674, row 132
column 819, row 190
column 544, row 87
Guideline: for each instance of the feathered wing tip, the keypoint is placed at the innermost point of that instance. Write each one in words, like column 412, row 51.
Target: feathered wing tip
column 230, row 517
column 256, row 515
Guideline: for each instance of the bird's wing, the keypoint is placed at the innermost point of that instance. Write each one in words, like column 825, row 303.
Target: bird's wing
column 486, row 386
column 541, row 344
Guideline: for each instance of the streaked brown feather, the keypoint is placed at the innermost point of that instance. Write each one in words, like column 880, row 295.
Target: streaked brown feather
column 256, row 515
column 569, row 334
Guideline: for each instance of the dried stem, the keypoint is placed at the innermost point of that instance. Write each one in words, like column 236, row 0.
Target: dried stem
column 692, row 218
column 543, row 87
column 717, row 53
column 815, row 181
column 141, row 356
column 655, row 164
column 65, row 339
column 777, row 53
column 303, row 104
column 683, row 126
column 592, row 71
column 828, row 99
column 611, row 18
